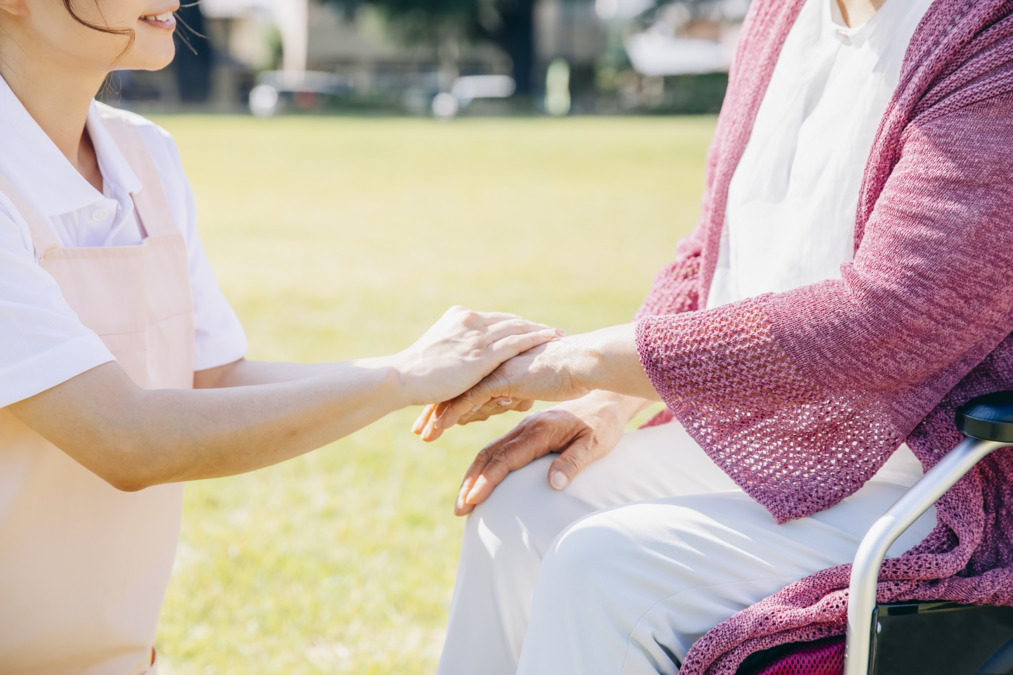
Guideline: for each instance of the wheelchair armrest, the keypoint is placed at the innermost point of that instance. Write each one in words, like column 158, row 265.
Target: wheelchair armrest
column 987, row 421
column 988, row 417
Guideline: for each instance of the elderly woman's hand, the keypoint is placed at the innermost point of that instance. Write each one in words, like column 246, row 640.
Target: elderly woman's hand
column 496, row 406
column 581, row 431
column 542, row 373
column 560, row 370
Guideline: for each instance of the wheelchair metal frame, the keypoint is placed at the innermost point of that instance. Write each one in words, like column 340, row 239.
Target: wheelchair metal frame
column 869, row 557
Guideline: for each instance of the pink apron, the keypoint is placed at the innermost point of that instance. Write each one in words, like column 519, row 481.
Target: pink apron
column 83, row 566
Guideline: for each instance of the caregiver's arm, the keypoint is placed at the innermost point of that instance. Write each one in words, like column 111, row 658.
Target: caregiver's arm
column 133, row 437
column 243, row 373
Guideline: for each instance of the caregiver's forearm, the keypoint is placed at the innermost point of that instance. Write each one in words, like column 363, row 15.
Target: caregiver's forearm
column 134, row 438
column 242, row 373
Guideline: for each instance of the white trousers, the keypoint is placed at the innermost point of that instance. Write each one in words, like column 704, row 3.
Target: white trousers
column 644, row 552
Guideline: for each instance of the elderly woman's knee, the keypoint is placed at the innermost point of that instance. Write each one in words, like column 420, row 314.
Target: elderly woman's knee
column 592, row 549
column 517, row 506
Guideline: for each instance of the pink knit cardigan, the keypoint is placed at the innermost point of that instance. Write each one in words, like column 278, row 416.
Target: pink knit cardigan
column 801, row 396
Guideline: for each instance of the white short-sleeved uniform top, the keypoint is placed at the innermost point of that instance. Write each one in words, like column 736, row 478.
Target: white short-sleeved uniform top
column 792, row 201
column 42, row 342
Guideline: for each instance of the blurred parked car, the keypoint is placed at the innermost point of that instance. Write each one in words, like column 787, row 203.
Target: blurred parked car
column 279, row 91
column 470, row 88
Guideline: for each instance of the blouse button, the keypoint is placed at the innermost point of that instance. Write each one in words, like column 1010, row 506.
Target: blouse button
column 99, row 214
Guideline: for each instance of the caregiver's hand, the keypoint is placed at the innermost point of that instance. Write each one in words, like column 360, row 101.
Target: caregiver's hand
column 560, row 370
column 463, row 347
column 582, row 431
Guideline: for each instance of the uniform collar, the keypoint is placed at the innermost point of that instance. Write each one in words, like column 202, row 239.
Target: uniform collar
column 33, row 163
column 115, row 168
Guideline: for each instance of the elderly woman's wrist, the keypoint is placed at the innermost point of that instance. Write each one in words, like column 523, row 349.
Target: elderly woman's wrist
column 610, row 362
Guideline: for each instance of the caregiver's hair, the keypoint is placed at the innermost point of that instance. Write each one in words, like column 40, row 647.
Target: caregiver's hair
column 69, row 4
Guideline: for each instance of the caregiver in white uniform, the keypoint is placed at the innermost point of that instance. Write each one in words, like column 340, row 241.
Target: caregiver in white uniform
column 109, row 319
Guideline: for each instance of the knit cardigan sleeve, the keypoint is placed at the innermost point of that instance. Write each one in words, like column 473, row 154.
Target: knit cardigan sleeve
column 801, row 396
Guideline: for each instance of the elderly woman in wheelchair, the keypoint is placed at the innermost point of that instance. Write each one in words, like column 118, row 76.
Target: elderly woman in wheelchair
column 844, row 292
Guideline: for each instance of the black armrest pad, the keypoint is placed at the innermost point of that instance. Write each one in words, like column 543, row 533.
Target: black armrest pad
column 988, row 417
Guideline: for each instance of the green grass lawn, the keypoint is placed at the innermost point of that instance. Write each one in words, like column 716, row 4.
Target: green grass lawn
column 337, row 238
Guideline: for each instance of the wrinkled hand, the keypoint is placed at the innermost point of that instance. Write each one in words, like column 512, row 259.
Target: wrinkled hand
column 582, row 431
column 462, row 348
column 543, row 373
column 494, row 407
column 480, row 413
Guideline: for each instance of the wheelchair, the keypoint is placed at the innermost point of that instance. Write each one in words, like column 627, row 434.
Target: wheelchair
column 917, row 638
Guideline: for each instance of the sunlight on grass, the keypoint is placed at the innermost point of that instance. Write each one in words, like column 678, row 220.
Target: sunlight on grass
column 338, row 238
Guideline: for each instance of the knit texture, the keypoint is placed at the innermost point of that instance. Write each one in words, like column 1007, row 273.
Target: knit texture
column 802, row 396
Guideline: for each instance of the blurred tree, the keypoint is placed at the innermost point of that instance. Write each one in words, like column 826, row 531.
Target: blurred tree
column 508, row 24
column 192, row 64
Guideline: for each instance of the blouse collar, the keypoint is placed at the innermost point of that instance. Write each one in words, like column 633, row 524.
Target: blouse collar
column 888, row 15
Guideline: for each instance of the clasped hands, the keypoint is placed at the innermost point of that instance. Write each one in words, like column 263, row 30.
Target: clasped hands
column 598, row 377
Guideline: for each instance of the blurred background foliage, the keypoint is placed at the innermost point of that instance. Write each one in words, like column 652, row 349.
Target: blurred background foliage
column 401, row 57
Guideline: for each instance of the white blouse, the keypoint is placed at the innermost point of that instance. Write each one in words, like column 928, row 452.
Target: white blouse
column 793, row 198
column 42, row 342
